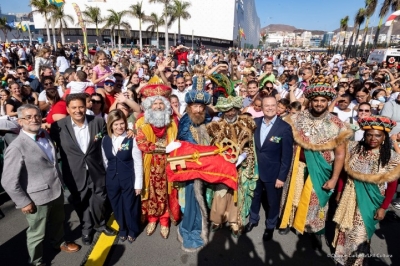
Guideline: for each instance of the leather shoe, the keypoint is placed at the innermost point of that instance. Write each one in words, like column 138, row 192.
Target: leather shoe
column 70, row 247
column 267, row 236
column 87, row 240
column 249, row 226
column 284, row 231
column 106, row 230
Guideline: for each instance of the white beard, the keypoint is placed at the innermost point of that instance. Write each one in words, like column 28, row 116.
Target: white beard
column 157, row 118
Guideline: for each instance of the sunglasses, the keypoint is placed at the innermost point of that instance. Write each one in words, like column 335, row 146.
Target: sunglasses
column 188, row 84
column 48, row 84
column 7, row 67
column 364, row 110
column 94, row 101
column 21, row 73
column 269, row 87
column 109, row 83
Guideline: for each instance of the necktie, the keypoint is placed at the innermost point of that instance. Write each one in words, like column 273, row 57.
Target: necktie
column 40, row 135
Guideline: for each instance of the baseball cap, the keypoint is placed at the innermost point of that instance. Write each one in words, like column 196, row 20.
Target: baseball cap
column 110, row 78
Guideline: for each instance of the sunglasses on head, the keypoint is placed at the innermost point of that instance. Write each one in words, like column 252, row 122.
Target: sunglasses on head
column 109, row 83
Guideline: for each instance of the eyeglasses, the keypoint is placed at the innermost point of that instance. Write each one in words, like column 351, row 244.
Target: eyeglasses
column 109, row 83
column 334, row 70
column 364, row 110
column 291, row 70
column 188, row 84
column 94, row 101
column 48, row 84
column 30, row 118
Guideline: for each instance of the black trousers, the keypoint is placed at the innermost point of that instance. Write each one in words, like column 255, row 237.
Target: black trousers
column 90, row 205
column 273, row 196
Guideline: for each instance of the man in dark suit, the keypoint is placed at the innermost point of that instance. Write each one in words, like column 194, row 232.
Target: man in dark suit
column 33, row 180
column 274, row 147
column 78, row 137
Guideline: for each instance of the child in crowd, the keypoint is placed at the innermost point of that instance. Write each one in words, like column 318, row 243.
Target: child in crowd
column 80, row 84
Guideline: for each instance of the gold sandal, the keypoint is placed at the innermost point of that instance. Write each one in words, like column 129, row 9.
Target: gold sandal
column 164, row 231
column 151, row 227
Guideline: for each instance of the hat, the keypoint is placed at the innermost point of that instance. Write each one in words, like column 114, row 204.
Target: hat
column 109, row 78
column 226, row 104
column 197, row 94
column 377, row 122
column 320, row 88
column 155, row 87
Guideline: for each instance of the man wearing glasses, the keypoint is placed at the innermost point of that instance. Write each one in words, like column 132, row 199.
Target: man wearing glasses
column 24, row 79
column 35, row 184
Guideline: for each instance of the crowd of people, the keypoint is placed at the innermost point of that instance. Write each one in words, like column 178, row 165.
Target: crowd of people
column 199, row 137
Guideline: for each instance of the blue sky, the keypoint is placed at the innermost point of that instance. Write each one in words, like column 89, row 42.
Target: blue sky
column 303, row 14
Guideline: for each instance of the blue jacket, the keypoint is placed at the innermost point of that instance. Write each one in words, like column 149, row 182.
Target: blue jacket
column 275, row 155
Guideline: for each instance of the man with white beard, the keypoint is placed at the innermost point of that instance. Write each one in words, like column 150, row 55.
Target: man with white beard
column 155, row 130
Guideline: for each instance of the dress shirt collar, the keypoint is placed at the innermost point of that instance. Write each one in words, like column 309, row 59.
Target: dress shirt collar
column 75, row 125
column 32, row 136
column 123, row 135
column 271, row 122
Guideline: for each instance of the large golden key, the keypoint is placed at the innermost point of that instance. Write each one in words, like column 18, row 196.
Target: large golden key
column 227, row 149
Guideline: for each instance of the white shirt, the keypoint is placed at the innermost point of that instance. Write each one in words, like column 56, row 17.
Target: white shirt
column 62, row 63
column 42, row 95
column 181, row 96
column 82, row 135
column 344, row 116
column 43, row 144
column 136, row 155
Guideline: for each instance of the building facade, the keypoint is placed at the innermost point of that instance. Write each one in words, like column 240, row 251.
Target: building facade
column 213, row 23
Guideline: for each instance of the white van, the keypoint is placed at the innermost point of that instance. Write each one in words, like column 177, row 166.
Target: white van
column 390, row 55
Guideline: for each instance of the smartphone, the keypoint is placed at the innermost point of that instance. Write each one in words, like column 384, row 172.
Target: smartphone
column 140, row 72
column 12, row 72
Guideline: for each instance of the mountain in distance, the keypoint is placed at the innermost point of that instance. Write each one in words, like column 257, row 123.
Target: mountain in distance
column 289, row 28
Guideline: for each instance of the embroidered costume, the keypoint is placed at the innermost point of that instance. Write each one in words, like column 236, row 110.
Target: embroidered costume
column 228, row 205
column 304, row 201
column 364, row 192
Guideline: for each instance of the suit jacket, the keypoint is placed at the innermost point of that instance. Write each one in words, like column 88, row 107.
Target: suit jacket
column 274, row 156
column 74, row 161
column 28, row 174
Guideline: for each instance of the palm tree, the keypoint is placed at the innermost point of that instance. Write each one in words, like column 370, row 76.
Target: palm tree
column 179, row 10
column 92, row 14
column 166, row 4
column 43, row 8
column 382, row 14
column 61, row 18
column 4, row 27
column 137, row 11
column 343, row 27
column 114, row 21
column 370, row 6
column 156, row 22
column 358, row 20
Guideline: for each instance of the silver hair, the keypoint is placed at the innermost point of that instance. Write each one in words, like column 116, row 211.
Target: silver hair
column 25, row 107
column 147, row 103
column 157, row 118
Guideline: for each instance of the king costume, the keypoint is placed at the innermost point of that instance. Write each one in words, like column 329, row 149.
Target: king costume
column 159, row 199
column 229, row 205
column 193, row 230
column 304, row 201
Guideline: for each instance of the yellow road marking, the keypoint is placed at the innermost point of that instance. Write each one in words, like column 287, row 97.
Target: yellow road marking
column 103, row 245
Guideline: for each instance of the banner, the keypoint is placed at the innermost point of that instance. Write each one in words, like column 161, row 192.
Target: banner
column 57, row 3
column 82, row 24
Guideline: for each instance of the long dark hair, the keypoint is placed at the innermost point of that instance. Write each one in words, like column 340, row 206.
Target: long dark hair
column 385, row 150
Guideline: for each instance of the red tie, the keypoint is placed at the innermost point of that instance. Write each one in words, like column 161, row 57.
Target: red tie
column 40, row 135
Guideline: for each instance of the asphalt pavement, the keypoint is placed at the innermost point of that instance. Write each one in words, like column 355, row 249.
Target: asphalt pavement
column 223, row 249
